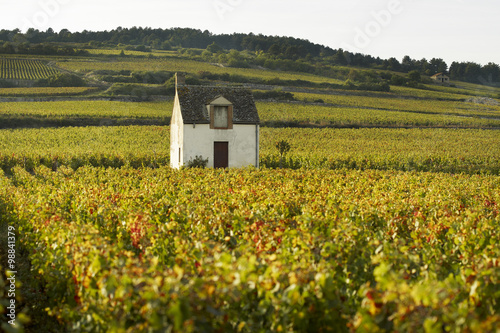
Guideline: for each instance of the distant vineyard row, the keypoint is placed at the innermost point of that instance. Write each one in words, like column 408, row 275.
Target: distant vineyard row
column 45, row 91
column 348, row 112
column 453, row 151
column 24, row 69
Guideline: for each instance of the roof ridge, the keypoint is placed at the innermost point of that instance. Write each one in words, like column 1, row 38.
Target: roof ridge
column 214, row 86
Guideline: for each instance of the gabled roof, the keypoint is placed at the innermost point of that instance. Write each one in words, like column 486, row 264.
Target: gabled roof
column 438, row 74
column 194, row 100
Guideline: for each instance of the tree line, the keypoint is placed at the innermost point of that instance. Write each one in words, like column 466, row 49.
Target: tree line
column 39, row 49
column 273, row 48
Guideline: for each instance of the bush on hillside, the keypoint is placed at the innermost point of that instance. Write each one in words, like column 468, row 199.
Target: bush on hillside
column 136, row 90
column 6, row 84
column 61, row 80
column 277, row 94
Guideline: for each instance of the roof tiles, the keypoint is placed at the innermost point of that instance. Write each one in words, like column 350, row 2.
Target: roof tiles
column 194, row 100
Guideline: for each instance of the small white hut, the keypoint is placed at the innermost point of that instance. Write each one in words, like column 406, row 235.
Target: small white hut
column 441, row 78
column 220, row 124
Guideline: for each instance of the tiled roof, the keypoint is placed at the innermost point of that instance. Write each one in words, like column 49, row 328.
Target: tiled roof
column 194, row 99
column 438, row 74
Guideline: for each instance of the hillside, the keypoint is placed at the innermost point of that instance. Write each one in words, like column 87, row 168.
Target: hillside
column 340, row 97
column 274, row 52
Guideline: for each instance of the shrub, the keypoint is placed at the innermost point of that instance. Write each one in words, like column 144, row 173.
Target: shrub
column 159, row 77
column 398, row 80
column 197, row 162
column 6, row 84
column 277, row 94
column 136, row 90
column 61, row 80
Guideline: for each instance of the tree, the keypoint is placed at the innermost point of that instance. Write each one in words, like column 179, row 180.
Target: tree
column 274, row 50
column 457, row 71
column 65, row 35
column 414, row 76
column 214, row 48
column 491, row 73
column 166, row 46
column 340, row 57
column 354, row 75
column 8, row 48
column 393, row 64
column 472, row 72
column 408, row 64
column 142, row 48
column 422, row 65
column 397, row 80
column 283, row 147
column 437, row 66
column 206, row 55
column 235, row 59
column 223, row 58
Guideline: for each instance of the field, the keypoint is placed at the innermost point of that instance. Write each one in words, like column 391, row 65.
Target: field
column 337, row 111
column 274, row 114
column 383, row 217
column 170, row 63
column 455, row 151
column 24, row 69
column 116, row 52
column 249, row 250
column 45, row 92
column 93, row 108
column 83, row 113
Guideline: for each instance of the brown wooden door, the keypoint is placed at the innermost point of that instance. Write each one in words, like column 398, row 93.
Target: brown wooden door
column 221, row 154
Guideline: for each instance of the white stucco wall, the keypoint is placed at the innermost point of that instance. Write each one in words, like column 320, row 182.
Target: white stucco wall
column 176, row 135
column 243, row 144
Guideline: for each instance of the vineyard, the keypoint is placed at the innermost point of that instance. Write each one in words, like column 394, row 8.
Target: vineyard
column 83, row 113
column 348, row 111
column 91, row 108
column 269, row 250
column 437, row 150
column 456, row 107
column 24, row 69
column 116, row 52
column 45, row 91
column 304, row 115
column 170, row 63
column 382, row 217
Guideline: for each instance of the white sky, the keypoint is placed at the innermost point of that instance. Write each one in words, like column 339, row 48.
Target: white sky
column 455, row 30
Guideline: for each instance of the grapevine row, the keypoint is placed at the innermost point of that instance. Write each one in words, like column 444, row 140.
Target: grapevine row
column 452, row 151
column 280, row 114
column 270, row 250
column 24, row 69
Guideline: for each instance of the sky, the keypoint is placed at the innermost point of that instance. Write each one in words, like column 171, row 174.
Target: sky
column 454, row 30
